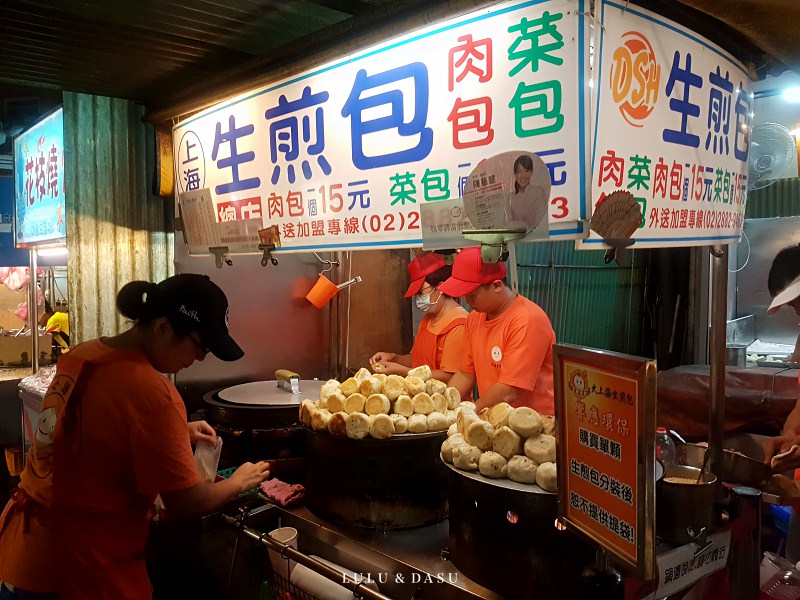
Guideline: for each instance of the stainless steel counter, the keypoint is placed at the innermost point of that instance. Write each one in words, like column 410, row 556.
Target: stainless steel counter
column 404, row 563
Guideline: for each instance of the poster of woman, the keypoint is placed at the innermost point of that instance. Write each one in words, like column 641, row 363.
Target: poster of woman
column 510, row 190
column 527, row 205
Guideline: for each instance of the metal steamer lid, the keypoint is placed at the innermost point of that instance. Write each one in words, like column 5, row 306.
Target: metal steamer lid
column 259, row 404
column 270, row 393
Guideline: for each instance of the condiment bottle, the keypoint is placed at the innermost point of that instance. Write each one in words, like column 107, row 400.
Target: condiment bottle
column 665, row 447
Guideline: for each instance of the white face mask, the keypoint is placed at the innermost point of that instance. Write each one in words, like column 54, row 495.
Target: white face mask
column 423, row 302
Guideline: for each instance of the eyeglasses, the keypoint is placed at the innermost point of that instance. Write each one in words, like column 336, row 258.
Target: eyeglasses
column 199, row 344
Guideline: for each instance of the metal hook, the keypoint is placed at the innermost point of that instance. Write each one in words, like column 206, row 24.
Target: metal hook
column 267, row 257
column 330, row 263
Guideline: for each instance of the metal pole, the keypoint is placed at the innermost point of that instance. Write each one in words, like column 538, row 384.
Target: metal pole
column 512, row 266
column 719, row 291
column 33, row 311
column 345, row 270
column 745, row 551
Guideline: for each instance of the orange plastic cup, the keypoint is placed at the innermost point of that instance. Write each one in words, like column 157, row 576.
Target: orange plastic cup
column 322, row 292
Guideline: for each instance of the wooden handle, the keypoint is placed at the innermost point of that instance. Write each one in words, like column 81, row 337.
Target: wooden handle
column 286, row 375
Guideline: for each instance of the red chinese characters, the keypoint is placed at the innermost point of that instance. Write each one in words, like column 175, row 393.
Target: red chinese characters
column 471, row 118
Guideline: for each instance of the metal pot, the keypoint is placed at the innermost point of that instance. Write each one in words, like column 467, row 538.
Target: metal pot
column 736, row 355
column 388, row 484
column 503, row 536
column 684, row 507
column 735, row 468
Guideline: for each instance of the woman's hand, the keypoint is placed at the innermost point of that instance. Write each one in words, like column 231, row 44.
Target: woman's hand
column 782, row 453
column 393, row 368
column 250, row 475
column 382, row 357
column 200, row 431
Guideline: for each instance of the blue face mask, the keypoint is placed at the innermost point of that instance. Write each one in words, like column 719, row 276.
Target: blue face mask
column 423, row 302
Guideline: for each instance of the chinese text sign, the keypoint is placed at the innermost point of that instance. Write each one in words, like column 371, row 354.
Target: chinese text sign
column 672, row 127
column 344, row 156
column 600, row 412
column 39, row 201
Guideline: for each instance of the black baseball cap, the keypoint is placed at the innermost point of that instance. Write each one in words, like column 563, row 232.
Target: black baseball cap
column 198, row 304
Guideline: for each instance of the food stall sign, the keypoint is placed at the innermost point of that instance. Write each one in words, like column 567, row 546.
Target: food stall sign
column 672, row 128
column 605, row 408
column 342, row 156
column 39, row 202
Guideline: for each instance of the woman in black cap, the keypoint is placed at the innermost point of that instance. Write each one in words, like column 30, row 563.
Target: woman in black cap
column 111, row 436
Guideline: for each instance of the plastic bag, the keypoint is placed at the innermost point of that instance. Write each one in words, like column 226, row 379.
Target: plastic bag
column 206, row 459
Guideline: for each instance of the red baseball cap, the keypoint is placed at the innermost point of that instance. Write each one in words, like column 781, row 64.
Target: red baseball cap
column 420, row 268
column 470, row 272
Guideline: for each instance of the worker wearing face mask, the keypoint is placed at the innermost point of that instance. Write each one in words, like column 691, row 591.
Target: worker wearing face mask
column 440, row 336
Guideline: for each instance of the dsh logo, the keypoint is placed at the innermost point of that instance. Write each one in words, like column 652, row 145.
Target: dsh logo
column 635, row 78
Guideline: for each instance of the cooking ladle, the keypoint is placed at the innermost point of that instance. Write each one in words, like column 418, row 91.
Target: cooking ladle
column 677, row 436
column 706, row 456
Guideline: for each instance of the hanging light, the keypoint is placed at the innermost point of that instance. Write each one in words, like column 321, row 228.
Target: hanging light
column 792, row 94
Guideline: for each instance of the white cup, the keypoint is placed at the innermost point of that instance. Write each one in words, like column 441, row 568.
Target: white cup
column 283, row 566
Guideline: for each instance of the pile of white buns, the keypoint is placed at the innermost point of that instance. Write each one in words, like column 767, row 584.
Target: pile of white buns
column 380, row 405
column 502, row 441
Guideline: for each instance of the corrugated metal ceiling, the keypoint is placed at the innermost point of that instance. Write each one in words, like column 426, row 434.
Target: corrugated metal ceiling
column 163, row 53
column 147, row 50
column 155, row 51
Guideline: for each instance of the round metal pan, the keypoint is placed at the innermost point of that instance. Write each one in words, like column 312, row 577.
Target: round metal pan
column 259, row 404
column 527, row 488
column 252, row 431
column 269, row 393
column 735, row 468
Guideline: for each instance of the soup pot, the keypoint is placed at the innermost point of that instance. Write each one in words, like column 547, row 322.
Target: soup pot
column 683, row 503
column 735, row 467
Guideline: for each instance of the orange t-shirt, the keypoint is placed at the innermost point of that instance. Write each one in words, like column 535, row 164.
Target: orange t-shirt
column 439, row 345
column 118, row 440
column 516, row 349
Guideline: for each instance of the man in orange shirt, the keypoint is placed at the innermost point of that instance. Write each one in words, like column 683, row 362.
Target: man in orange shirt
column 509, row 339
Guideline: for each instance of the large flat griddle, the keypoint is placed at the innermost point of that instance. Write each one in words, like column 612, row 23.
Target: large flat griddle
column 259, row 404
column 269, row 393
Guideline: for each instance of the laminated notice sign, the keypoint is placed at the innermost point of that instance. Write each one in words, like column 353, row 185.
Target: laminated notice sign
column 605, row 408
column 203, row 231
column 199, row 222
